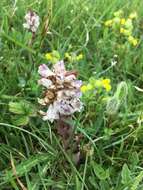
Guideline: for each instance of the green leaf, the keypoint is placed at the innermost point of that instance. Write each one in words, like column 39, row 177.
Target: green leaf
column 134, row 159
column 78, row 183
column 113, row 105
column 137, row 180
column 104, row 185
column 122, row 91
column 100, row 172
column 16, row 107
column 24, row 167
column 20, row 120
column 126, row 175
column 22, row 107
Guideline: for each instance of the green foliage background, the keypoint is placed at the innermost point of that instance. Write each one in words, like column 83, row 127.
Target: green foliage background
column 40, row 161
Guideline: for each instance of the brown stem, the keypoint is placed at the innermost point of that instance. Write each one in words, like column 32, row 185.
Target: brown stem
column 64, row 129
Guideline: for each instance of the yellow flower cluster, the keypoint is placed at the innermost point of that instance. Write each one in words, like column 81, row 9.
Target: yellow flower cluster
column 73, row 57
column 53, row 56
column 125, row 25
column 94, row 84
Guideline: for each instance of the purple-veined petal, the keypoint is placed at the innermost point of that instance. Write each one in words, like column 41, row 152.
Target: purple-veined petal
column 44, row 71
column 59, row 68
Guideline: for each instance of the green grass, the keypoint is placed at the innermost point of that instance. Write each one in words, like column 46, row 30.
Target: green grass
column 38, row 156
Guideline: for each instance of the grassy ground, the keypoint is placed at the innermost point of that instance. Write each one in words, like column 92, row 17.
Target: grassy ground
column 32, row 156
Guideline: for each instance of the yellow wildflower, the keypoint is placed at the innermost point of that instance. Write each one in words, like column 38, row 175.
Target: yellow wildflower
column 49, row 56
column 133, row 15
column 108, row 87
column 106, row 84
column 67, row 55
column 122, row 30
column 108, row 22
column 84, row 88
column 125, row 31
column 79, row 57
column 53, row 56
column 133, row 40
column 122, row 21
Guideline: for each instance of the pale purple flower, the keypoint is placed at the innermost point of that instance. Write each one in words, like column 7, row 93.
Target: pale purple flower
column 68, row 107
column 62, row 91
column 59, row 68
column 32, row 21
column 44, row 71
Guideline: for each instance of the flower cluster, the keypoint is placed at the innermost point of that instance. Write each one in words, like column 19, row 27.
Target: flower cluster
column 62, row 91
column 72, row 57
column 96, row 84
column 32, row 21
column 54, row 56
column 124, row 25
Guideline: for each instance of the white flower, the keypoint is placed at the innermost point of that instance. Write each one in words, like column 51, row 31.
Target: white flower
column 45, row 82
column 59, row 68
column 44, row 71
column 32, row 21
column 52, row 113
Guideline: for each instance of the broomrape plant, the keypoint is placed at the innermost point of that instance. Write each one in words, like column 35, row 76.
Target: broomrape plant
column 61, row 91
column 32, row 21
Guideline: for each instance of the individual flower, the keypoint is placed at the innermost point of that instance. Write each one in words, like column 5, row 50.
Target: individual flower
column 68, row 56
column 61, row 91
column 79, row 57
column 53, row 56
column 133, row 40
column 106, row 84
column 44, row 71
column 125, row 31
column 84, row 88
column 32, row 21
column 122, row 21
column 108, row 23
